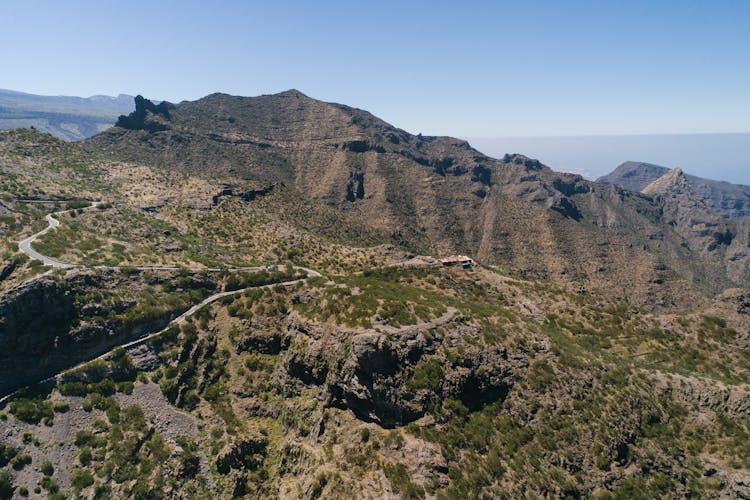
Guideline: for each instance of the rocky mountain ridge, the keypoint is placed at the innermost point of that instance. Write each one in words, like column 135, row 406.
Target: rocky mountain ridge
column 706, row 231
column 431, row 194
column 729, row 200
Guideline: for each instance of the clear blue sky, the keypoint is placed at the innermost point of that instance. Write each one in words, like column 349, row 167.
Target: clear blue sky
column 495, row 68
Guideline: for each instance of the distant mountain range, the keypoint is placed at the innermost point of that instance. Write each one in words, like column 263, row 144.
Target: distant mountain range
column 729, row 200
column 714, row 156
column 65, row 117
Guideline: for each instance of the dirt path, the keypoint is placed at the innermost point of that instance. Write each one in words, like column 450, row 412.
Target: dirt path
column 442, row 320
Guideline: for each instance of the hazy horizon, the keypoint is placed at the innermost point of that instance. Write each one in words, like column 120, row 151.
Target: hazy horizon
column 711, row 155
column 721, row 157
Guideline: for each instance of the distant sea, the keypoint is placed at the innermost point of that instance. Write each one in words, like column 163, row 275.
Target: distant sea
column 723, row 157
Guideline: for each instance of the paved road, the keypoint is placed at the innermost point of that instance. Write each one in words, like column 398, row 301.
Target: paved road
column 141, row 340
column 25, row 246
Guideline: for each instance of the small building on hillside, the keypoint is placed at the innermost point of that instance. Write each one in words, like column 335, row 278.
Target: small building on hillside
column 457, row 260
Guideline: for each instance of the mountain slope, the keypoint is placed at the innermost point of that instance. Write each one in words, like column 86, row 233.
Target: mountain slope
column 69, row 118
column 729, row 200
column 390, row 375
column 430, row 194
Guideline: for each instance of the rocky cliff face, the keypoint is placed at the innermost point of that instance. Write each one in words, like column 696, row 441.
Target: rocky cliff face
column 48, row 324
column 35, row 320
column 372, row 373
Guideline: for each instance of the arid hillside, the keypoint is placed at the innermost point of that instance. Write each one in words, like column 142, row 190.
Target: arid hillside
column 244, row 297
column 435, row 194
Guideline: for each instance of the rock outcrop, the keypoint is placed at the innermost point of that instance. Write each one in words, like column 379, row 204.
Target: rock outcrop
column 733, row 400
column 147, row 116
column 391, row 379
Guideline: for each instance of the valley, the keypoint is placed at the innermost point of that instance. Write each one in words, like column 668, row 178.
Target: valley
column 243, row 297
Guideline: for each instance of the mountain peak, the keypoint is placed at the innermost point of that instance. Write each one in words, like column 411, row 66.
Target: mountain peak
column 672, row 181
column 292, row 93
column 731, row 201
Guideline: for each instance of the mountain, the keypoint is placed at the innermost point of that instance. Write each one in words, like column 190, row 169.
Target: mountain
column 691, row 216
column 243, row 297
column 69, row 118
column 729, row 200
column 429, row 194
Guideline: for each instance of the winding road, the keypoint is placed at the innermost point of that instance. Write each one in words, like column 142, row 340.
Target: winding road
column 25, row 246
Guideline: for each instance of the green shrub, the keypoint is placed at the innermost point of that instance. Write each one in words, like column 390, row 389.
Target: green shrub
column 88, row 438
column 113, row 413
column 170, row 372
column 169, row 388
column 125, row 387
column 6, row 484
column 428, row 374
column 49, row 484
column 72, row 388
column 81, row 479
column 7, row 453
column 47, row 468
column 31, row 411
column 105, row 387
column 60, row 407
column 20, row 461
column 84, row 456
